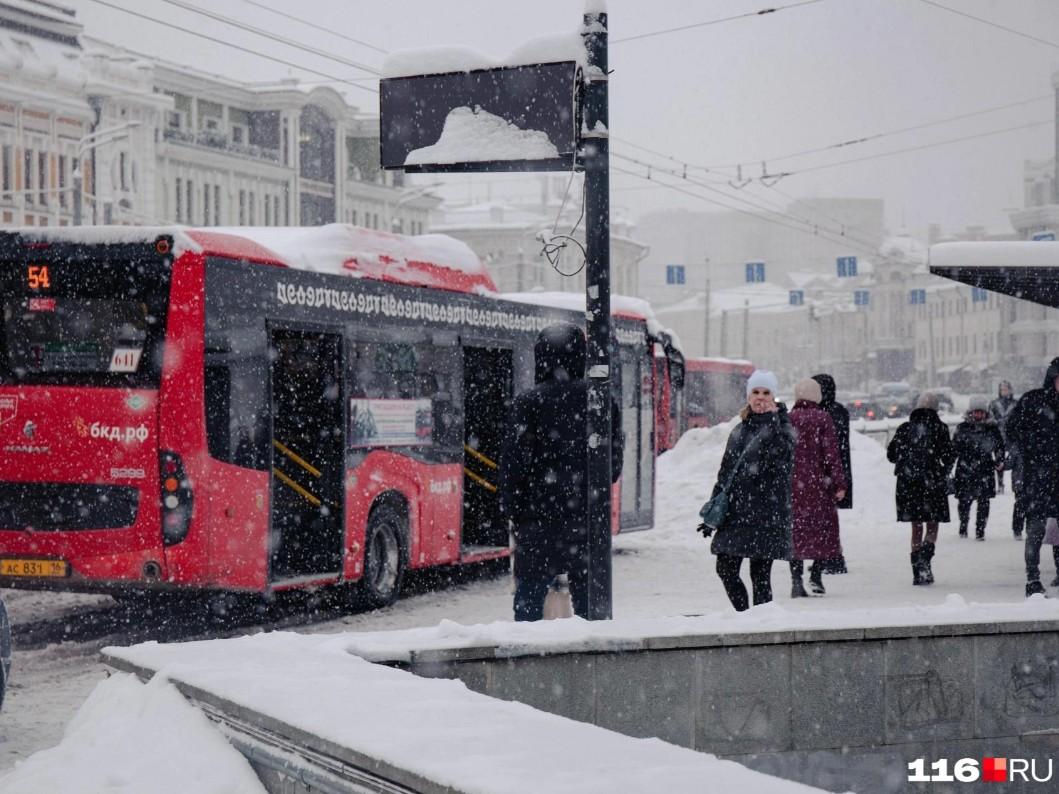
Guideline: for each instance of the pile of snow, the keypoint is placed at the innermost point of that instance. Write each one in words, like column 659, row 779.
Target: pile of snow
column 434, row 728
column 687, row 473
column 621, row 634
column 553, row 48
column 130, row 738
column 475, row 135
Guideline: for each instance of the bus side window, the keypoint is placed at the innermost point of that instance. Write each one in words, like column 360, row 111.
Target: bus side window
column 236, row 417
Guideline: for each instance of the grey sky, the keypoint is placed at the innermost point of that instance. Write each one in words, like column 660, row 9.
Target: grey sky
column 739, row 91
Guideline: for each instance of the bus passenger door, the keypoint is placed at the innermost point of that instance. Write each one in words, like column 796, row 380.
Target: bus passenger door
column 487, row 386
column 307, row 454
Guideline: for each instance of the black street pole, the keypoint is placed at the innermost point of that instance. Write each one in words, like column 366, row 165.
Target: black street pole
column 596, row 158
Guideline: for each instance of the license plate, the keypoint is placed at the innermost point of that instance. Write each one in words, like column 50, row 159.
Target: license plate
column 33, row 568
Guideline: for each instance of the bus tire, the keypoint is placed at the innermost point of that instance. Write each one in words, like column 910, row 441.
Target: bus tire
column 385, row 557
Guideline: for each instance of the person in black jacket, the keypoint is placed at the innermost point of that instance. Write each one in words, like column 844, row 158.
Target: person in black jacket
column 1000, row 409
column 543, row 472
column 1033, row 431
column 922, row 454
column 759, row 460
column 840, row 418
column 979, row 449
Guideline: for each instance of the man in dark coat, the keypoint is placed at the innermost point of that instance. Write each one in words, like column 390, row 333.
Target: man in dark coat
column 759, row 462
column 543, row 472
column 979, row 449
column 921, row 452
column 840, row 417
column 1033, row 431
column 1000, row 409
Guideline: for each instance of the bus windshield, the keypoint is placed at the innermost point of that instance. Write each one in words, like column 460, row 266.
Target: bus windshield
column 70, row 324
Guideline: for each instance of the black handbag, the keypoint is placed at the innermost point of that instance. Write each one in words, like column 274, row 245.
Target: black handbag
column 715, row 511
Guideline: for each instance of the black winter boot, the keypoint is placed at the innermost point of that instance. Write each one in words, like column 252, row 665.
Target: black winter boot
column 816, row 582
column 927, row 550
column 797, row 588
column 917, row 567
column 1034, row 587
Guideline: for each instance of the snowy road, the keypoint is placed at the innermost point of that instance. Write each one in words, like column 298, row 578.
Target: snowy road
column 666, row 571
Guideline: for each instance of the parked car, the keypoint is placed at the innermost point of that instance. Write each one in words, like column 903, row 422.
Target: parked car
column 896, row 399
column 5, row 650
column 864, row 408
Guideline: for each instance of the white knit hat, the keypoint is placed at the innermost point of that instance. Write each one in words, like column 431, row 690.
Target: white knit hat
column 762, row 379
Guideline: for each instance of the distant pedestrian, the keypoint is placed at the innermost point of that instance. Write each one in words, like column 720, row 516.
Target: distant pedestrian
column 819, row 482
column 840, row 417
column 979, row 449
column 758, row 460
column 543, row 473
column 1033, row 430
column 922, row 454
column 999, row 409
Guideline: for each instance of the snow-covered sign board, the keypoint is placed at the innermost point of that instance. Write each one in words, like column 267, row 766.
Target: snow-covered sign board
column 512, row 118
column 1027, row 270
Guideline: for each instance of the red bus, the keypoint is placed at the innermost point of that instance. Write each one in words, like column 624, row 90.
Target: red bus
column 196, row 409
column 714, row 390
column 670, row 374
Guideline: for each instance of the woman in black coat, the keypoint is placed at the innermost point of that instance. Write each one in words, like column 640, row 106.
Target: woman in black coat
column 979, row 449
column 758, row 523
column 922, row 454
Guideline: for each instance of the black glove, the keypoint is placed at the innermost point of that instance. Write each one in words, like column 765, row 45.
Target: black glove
column 705, row 530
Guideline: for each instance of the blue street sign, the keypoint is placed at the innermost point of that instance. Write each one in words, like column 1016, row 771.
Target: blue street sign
column 1044, row 236
column 674, row 274
column 797, row 297
column 846, row 266
column 755, row 272
column 917, row 296
column 979, row 295
column 861, row 297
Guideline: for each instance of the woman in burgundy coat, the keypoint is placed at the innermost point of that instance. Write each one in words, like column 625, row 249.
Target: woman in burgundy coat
column 818, row 484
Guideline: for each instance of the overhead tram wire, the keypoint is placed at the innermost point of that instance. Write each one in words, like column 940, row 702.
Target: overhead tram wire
column 837, row 163
column 784, row 213
column 759, row 13
column 838, row 145
column 860, row 247
column 991, row 23
column 235, row 23
column 234, row 46
column 313, row 25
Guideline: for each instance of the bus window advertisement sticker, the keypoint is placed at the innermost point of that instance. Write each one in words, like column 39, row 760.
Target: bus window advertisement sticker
column 390, row 423
column 42, row 304
column 8, row 407
column 125, row 359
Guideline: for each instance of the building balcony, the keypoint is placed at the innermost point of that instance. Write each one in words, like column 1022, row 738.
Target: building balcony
column 217, row 141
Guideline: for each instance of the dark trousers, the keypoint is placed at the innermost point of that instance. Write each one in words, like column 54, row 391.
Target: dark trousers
column 760, row 580
column 530, row 593
column 1034, row 539
column 1018, row 519
column 963, row 507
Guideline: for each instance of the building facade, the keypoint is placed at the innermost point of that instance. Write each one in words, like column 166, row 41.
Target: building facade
column 155, row 142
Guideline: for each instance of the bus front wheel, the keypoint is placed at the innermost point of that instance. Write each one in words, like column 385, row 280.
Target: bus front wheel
column 384, row 557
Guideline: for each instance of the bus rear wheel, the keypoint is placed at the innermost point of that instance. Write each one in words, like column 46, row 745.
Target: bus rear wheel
column 384, row 557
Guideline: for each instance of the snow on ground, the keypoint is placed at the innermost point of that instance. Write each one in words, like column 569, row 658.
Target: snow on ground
column 122, row 741
column 664, row 572
column 461, row 739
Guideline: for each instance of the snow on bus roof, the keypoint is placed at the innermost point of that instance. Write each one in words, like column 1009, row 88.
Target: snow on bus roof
column 992, row 254
column 430, row 260
column 110, row 235
column 625, row 305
